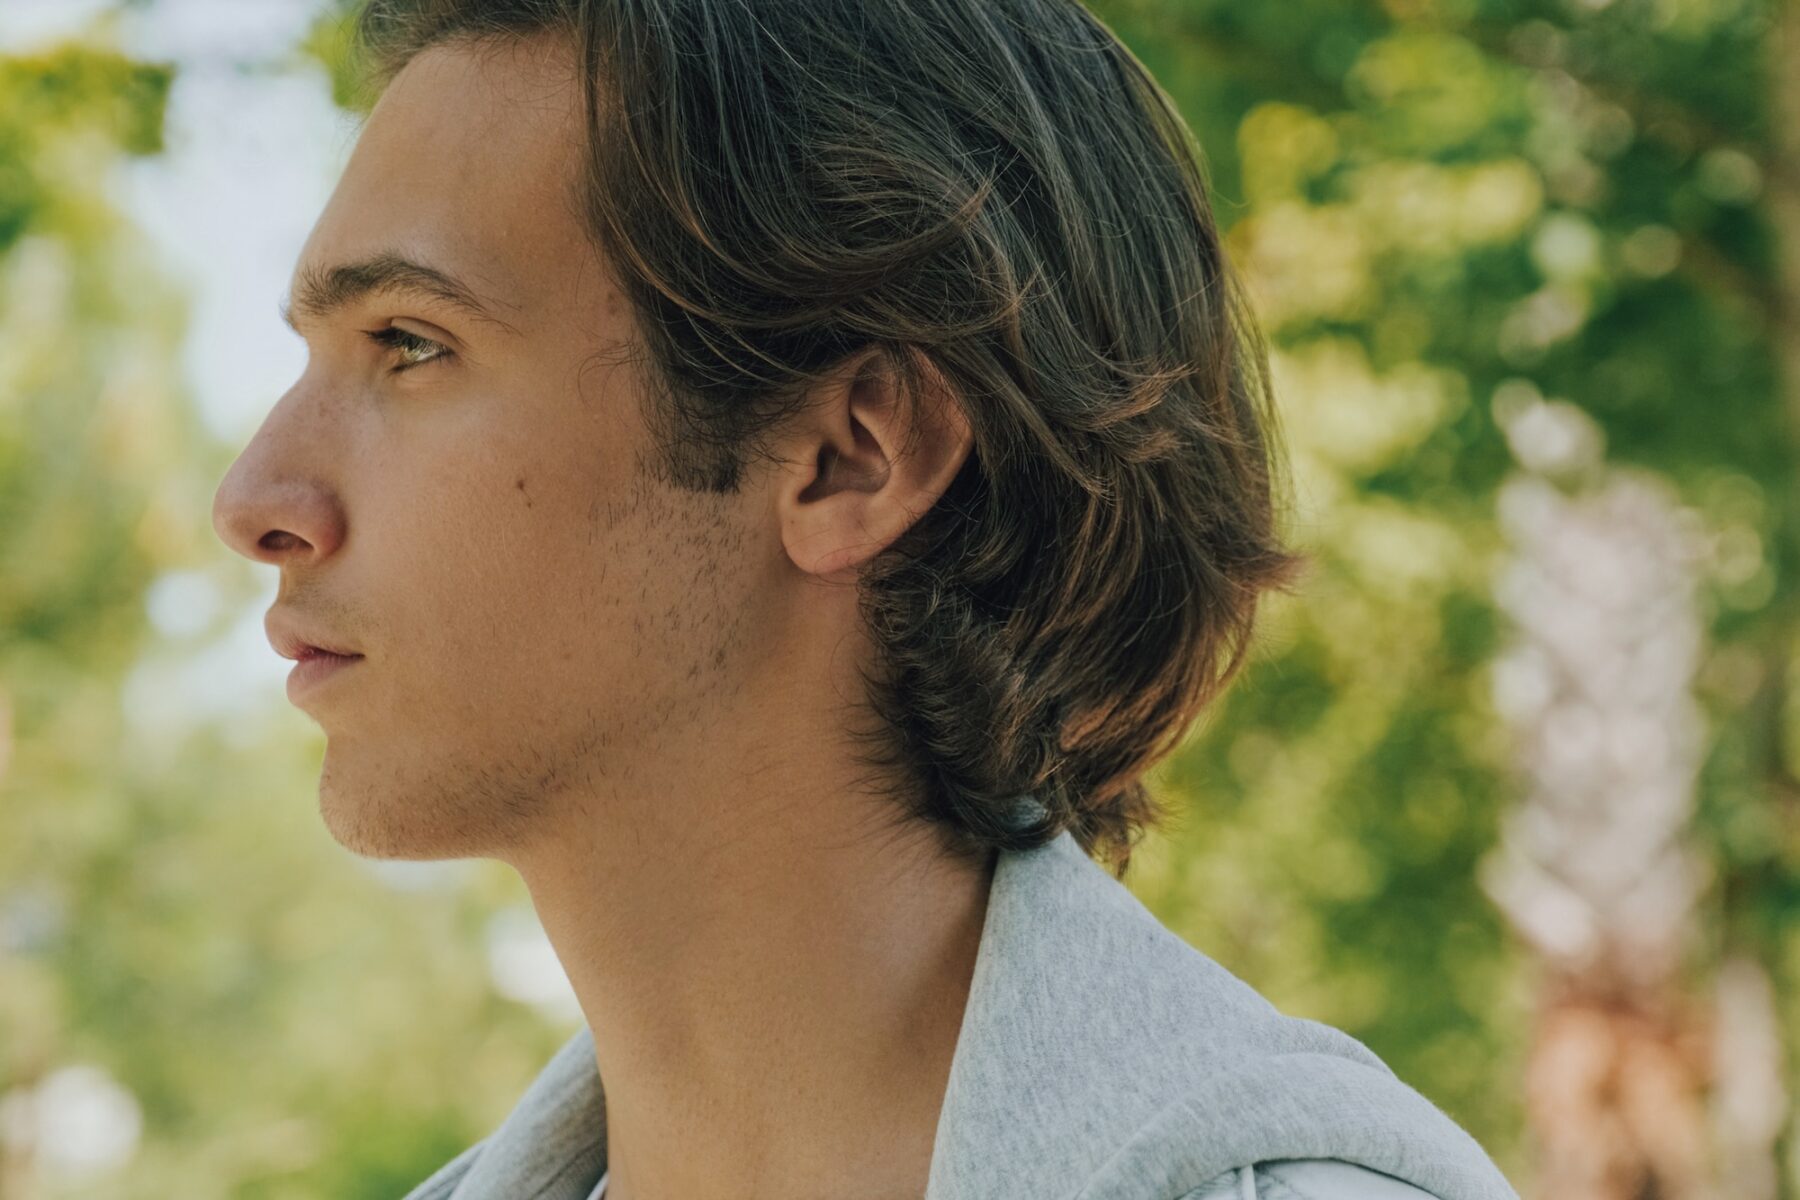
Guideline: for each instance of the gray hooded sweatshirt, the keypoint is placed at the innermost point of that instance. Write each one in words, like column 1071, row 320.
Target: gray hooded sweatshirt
column 1100, row 1057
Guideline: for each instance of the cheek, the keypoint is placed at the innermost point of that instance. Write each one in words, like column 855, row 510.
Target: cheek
column 549, row 575
column 459, row 547
column 534, row 557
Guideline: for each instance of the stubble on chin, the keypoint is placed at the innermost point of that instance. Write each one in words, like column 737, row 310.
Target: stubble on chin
column 385, row 813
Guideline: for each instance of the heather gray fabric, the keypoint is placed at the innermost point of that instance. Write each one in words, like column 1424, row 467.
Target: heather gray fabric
column 1100, row 1058
column 1282, row 1179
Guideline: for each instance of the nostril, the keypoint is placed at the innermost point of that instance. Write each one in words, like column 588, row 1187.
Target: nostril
column 279, row 539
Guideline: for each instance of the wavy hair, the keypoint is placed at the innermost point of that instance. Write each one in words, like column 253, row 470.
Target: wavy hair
column 997, row 196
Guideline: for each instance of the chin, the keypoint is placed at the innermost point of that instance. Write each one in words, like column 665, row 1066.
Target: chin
column 356, row 825
column 370, row 818
column 386, row 813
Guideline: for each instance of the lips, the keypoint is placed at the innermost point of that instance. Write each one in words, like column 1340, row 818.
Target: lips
column 314, row 667
column 307, row 652
column 292, row 640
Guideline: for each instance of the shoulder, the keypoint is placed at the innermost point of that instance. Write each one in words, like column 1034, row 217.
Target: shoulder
column 1306, row 1179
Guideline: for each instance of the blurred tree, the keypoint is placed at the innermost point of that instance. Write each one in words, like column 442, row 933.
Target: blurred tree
column 1439, row 203
column 83, row 382
column 1596, row 869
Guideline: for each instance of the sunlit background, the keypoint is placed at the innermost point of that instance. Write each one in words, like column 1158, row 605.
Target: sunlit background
column 1511, row 791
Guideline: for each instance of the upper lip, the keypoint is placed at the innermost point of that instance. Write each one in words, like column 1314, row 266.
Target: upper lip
column 292, row 641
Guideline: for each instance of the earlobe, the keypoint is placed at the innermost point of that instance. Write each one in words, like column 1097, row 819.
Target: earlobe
column 876, row 471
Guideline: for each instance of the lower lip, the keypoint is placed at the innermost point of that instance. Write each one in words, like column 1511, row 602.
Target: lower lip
column 310, row 672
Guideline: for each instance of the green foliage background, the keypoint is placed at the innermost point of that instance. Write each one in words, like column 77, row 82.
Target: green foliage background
column 1431, row 199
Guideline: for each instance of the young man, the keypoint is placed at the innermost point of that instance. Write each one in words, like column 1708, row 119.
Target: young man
column 776, row 475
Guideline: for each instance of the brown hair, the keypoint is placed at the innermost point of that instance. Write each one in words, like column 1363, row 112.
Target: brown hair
column 997, row 193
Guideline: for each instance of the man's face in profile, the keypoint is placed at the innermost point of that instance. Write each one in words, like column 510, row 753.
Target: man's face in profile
column 534, row 612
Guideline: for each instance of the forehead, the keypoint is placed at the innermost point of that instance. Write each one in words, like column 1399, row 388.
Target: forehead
column 468, row 161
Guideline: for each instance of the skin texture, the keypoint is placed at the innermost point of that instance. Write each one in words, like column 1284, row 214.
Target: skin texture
column 634, row 696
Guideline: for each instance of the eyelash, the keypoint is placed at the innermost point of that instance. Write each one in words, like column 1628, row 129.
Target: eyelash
column 395, row 338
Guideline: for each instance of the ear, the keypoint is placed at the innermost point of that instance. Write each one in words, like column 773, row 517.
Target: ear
column 856, row 473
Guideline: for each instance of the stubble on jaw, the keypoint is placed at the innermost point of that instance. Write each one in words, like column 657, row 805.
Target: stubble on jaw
column 686, row 630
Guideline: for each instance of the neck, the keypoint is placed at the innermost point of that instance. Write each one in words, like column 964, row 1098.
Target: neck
column 775, row 999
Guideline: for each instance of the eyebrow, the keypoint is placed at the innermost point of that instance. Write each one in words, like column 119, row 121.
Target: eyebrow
column 321, row 291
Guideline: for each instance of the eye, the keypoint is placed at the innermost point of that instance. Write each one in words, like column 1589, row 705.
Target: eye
column 414, row 351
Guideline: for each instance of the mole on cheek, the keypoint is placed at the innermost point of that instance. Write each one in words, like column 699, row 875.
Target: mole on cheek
column 521, row 486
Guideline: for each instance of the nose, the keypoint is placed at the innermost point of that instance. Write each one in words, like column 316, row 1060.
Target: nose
column 274, row 517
